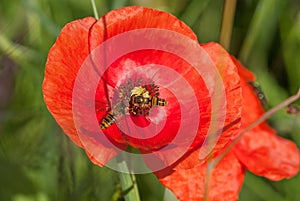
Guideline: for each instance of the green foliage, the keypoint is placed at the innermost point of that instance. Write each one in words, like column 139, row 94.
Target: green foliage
column 38, row 162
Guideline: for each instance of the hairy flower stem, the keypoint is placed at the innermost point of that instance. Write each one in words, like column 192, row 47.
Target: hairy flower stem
column 214, row 162
column 95, row 9
column 128, row 183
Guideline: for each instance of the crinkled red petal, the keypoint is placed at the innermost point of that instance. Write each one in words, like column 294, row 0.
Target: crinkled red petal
column 261, row 150
column 224, row 184
column 134, row 17
column 231, row 83
column 64, row 60
column 243, row 71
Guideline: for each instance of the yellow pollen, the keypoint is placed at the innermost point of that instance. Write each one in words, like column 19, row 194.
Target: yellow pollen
column 140, row 91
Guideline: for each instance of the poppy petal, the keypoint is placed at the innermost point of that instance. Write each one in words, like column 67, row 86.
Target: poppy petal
column 64, row 60
column 135, row 17
column 225, row 182
column 266, row 154
column 71, row 50
column 261, row 150
column 231, row 81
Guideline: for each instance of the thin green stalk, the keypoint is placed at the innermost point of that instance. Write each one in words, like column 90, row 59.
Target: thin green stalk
column 128, row 183
column 207, row 178
column 227, row 23
column 263, row 118
column 212, row 163
column 95, row 9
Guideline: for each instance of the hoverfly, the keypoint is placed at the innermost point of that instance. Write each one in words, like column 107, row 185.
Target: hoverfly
column 139, row 103
column 158, row 101
column 112, row 116
column 107, row 121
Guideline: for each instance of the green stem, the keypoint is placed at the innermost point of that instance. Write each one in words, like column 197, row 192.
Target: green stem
column 212, row 163
column 227, row 23
column 128, row 183
column 95, row 9
column 263, row 118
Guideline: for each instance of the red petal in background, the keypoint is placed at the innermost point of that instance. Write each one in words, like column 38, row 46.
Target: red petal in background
column 225, row 182
column 266, row 154
column 261, row 150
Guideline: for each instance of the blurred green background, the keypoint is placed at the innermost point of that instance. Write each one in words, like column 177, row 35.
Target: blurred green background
column 38, row 162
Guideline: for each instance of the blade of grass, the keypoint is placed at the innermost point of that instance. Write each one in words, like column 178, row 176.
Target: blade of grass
column 193, row 11
column 50, row 26
column 227, row 23
column 291, row 52
column 261, row 27
column 291, row 188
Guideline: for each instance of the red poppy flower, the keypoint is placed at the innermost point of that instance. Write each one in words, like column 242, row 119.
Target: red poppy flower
column 260, row 151
column 138, row 77
column 160, row 64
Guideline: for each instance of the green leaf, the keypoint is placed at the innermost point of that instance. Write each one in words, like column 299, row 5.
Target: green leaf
column 261, row 188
